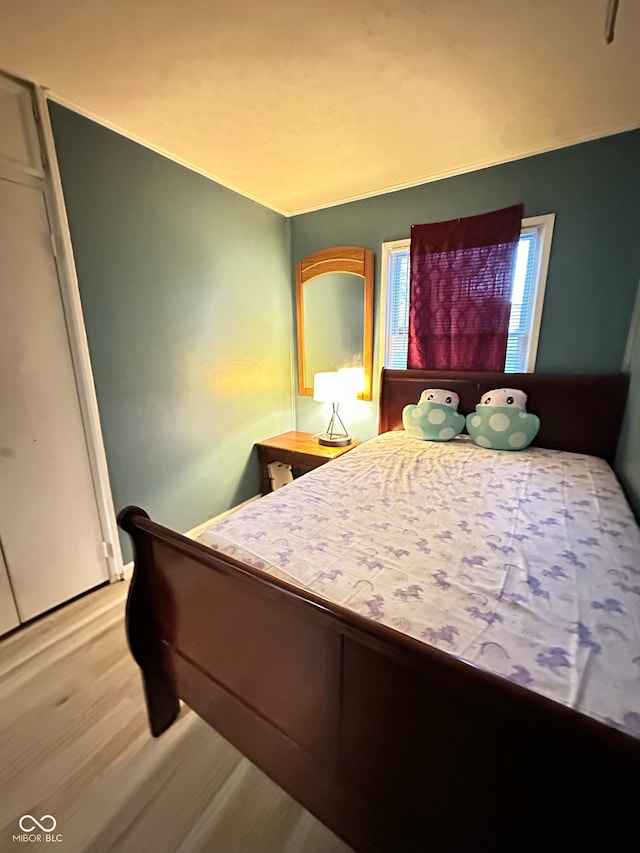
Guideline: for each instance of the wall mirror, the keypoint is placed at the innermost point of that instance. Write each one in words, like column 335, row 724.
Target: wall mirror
column 334, row 304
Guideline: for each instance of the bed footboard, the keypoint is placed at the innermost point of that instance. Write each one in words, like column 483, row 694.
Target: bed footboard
column 394, row 745
column 143, row 635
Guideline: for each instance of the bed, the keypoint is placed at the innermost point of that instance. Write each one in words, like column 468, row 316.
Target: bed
column 446, row 657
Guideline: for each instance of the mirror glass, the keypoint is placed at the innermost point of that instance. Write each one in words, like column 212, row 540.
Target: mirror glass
column 333, row 323
column 334, row 301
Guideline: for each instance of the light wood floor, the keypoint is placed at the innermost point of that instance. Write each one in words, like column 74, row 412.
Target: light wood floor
column 74, row 744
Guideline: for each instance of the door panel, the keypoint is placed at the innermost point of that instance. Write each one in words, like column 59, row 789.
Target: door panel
column 19, row 146
column 48, row 515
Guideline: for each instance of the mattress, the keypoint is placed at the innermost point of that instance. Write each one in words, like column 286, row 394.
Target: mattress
column 524, row 563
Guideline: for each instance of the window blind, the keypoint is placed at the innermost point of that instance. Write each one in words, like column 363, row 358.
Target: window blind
column 522, row 303
column 397, row 332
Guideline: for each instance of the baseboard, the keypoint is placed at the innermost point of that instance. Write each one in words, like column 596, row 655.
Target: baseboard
column 127, row 569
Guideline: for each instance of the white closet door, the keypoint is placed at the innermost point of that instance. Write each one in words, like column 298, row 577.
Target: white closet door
column 49, row 523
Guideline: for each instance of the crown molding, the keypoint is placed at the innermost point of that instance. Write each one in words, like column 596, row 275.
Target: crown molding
column 470, row 167
column 140, row 140
column 424, row 179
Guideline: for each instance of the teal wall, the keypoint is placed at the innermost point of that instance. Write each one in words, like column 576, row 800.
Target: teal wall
column 628, row 459
column 594, row 190
column 188, row 305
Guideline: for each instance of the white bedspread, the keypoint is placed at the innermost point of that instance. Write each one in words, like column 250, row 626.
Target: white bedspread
column 526, row 563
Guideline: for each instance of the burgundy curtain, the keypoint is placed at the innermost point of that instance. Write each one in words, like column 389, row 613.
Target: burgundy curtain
column 460, row 291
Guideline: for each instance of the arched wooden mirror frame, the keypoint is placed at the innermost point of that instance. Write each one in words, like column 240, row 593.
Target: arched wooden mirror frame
column 343, row 259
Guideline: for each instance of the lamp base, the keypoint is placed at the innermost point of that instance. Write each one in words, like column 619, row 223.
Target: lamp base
column 334, row 441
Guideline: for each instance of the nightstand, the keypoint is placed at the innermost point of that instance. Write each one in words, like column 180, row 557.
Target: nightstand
column 297, row 449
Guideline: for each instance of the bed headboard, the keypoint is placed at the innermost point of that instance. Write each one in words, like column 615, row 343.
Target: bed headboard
column 579, row 412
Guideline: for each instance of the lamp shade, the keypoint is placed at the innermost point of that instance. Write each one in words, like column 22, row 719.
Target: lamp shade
column 332, row 388
column 355, row 377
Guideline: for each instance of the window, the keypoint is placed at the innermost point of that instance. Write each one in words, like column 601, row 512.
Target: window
column 527, row 296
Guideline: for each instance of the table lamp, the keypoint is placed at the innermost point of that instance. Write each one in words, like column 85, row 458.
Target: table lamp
column 331, row 387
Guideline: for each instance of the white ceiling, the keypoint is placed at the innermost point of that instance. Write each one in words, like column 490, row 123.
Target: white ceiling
column 304, row 103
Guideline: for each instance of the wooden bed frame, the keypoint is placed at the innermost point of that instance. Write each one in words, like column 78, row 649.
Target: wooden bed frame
column 396, row 746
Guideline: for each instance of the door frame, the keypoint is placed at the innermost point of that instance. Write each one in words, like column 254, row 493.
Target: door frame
column 78, row 344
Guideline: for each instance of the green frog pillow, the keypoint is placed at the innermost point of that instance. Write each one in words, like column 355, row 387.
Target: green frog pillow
column 435, row 418
column 501, row 421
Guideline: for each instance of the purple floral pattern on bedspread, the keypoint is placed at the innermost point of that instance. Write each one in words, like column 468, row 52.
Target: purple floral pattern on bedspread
column 527, row 563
